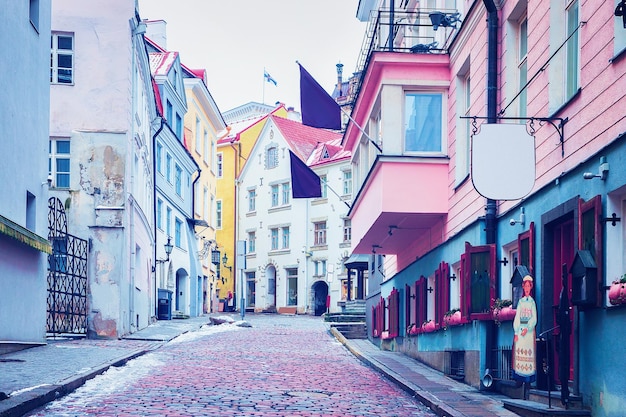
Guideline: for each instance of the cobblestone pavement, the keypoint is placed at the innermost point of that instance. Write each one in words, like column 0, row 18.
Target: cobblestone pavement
column 281, row 366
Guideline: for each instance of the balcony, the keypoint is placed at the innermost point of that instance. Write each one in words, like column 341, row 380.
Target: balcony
column 403, row 200
column 421, row 31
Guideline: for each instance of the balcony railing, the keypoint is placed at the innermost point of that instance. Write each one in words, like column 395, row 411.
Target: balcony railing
column 422, row 31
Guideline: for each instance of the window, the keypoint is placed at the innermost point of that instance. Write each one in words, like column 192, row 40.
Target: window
column 324, row 185
column 31, row 211
column 179, row 127
column 220, row 162
column 286, row 193
column 62, row 59
column 292, row 286
column 274, row 239
column 478, row 281
column 169, row 112
column 347, row 182
column 619, row 33
column 347, row 230
column 208, row 153
column 420, row 288
column 59, row 162
column 178, row 229
column 464, row 131
column 271, row 157
column 285, row 237
column 33, row 12
column 252, row 200
column 168, row 220
column 168, row 167
column 197, row 136
column 423, row 122
column 572, row 49
column 320, row 268
column 179, row 180
column 159, row 213
column 442, row 292
column 251, row 242
column 218, row 214
column 274, row 194
column 159, row 157
column 319, row 233
column 522, row 65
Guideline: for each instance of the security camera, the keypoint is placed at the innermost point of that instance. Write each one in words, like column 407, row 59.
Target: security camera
column 49, row 180
column 512, row 222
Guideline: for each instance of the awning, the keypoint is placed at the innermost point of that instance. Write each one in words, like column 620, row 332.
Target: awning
column 25, row 236
column 356, row 261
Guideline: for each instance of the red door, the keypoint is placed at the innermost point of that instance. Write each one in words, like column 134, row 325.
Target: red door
column 563, row 245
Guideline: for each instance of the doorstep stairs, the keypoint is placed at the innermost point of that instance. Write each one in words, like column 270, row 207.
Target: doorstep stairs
column 351, row 321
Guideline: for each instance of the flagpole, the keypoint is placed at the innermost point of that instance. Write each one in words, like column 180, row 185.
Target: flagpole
column 263, row 101
column 361, row 129
column 335, row 192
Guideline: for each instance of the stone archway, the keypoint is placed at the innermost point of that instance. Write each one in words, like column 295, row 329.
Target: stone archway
column 320, row 294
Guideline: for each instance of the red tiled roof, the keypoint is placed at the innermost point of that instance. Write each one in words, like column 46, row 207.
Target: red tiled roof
column 333, row 149
column 303, row 139
column 161, row 62
column 157, row 97
column 236, row 128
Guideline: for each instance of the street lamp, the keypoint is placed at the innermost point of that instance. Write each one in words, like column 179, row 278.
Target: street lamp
column 168, row 251
column 225, row 262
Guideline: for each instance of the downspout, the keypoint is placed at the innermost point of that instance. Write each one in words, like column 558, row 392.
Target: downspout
column 154, row 221
column 492, row 97
column 195, row 239
column 233, row 275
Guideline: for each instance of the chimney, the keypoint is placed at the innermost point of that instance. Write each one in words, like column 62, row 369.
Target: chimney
column 157, row 32
column 340, row 78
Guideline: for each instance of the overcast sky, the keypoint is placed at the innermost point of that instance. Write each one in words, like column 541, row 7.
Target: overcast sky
column 236, row 40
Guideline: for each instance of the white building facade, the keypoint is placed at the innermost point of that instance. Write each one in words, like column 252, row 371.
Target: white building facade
column 101, row 127
column 294, row 247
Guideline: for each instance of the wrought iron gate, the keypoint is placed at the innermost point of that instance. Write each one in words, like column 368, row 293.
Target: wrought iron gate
column 67, row 275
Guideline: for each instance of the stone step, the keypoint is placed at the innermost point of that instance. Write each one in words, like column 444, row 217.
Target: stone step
column 351, row 330
column 528, row 408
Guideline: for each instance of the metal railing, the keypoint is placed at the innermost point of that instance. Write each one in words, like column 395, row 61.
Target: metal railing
column 405, row 31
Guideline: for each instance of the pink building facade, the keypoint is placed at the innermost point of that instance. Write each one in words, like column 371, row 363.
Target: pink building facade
column 438, row 245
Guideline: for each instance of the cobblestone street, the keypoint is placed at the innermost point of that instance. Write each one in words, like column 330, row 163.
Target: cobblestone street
column 281, row 366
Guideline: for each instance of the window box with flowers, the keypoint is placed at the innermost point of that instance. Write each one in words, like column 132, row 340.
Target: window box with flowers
column 453, row 318
column 429, row 326
column 412, row 330
column 502, row 310
column 617, row 291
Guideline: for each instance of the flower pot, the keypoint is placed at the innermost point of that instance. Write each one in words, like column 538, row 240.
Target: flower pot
column 506, row 313
column 614, row 293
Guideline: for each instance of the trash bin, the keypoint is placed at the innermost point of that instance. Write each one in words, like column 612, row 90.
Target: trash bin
column 164, row 305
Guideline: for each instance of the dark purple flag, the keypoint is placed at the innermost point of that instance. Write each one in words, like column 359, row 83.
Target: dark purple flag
column 318, row 108
column 304, row 182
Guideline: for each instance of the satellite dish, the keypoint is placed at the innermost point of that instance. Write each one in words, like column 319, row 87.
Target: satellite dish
column 503, row 161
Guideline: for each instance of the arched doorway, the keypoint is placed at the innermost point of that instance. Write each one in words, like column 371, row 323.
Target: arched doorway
column 270, row 273
column 320, row 294
column 181, row 299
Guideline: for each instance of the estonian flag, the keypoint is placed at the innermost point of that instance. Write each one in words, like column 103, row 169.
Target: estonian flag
column 304, row 182
column 269, row 78
column 318, row 108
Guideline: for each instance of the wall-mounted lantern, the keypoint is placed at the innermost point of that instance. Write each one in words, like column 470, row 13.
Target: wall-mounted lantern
column 519, row 272
column 584, row 280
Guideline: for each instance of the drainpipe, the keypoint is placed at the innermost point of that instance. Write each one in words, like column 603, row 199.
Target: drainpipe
column 392, row 10
column 492, row 97
column 154, row 221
